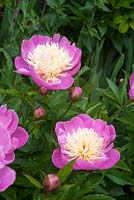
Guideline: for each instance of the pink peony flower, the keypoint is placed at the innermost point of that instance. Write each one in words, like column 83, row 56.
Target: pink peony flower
column 12, row 137
column 51, row 62
column 87, row 140
column 131, row 90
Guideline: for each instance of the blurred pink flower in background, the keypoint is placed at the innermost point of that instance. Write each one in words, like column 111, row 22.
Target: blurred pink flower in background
column 89, row 141
column 51, row 62
column 12, row 137
column 131, row 89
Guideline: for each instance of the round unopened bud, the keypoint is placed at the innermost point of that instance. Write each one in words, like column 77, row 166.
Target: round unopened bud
column 39, row 113
column 75, row 93
column 51, row 182
column 43, row 91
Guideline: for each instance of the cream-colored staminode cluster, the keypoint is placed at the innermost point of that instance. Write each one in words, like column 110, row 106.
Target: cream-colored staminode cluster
column 84, row 143
column 49, row 61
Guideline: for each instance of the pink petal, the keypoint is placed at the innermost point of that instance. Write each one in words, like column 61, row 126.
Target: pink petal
column 75, row 69
column 21, row 64
column 66, row 82
column 14, row 123
column 113, row 157
column 84, row 117
column 8, row 119
column 23, row 72
column 9, row 158
column 131, row 80
column 5, row 141
column 22, row 136
column 27, row 47
column 58, row 160
column 64, row 42
column 7, row 178
column 56, row 38
column 73, row 124
column 40, row 39
column 84, row 165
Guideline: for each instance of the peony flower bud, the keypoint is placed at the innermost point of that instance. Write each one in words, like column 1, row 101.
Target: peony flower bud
column 51, row 182
column 43, row 91
column 75, row 93
column 39, row 113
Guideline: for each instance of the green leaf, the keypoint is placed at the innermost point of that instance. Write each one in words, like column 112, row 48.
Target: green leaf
column 114, row 88
column 123, row 27
column 118, row 177
column 93, row 107
column 34, row 181
column 117, row 67
column 122, row 165
column 65, row 171
column 118, row 19
column 132, row 25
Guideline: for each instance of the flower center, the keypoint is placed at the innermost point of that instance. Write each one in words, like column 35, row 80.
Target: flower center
column 49, row 61
column 85, row 144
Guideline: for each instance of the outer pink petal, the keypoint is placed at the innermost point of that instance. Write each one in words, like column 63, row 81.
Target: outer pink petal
column 113, row 157
column 64, row 42
column 84, row 117
column 7, row 178
column 21, row 64
column 5, row 141
column 23, row 72
column 84, row 165
column 22, row 136
column 58, row 160
column 9, row 158
column 14, row 123
column 131, row 93
column 75, row 69
column 56, row 38
column 40, row 39
column 8, row 119
column 65, row 82
column 73, row 124
column 131, row 81
column 26, row 48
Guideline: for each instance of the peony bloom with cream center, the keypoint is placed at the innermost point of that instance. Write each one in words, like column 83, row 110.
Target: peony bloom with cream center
column 87, row 140
column 51, row 62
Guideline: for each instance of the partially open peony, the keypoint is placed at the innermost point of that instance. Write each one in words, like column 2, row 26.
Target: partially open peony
column 12, row 137
column 89, row 141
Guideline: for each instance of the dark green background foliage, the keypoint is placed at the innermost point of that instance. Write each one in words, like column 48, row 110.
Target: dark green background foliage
column 103, row 29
